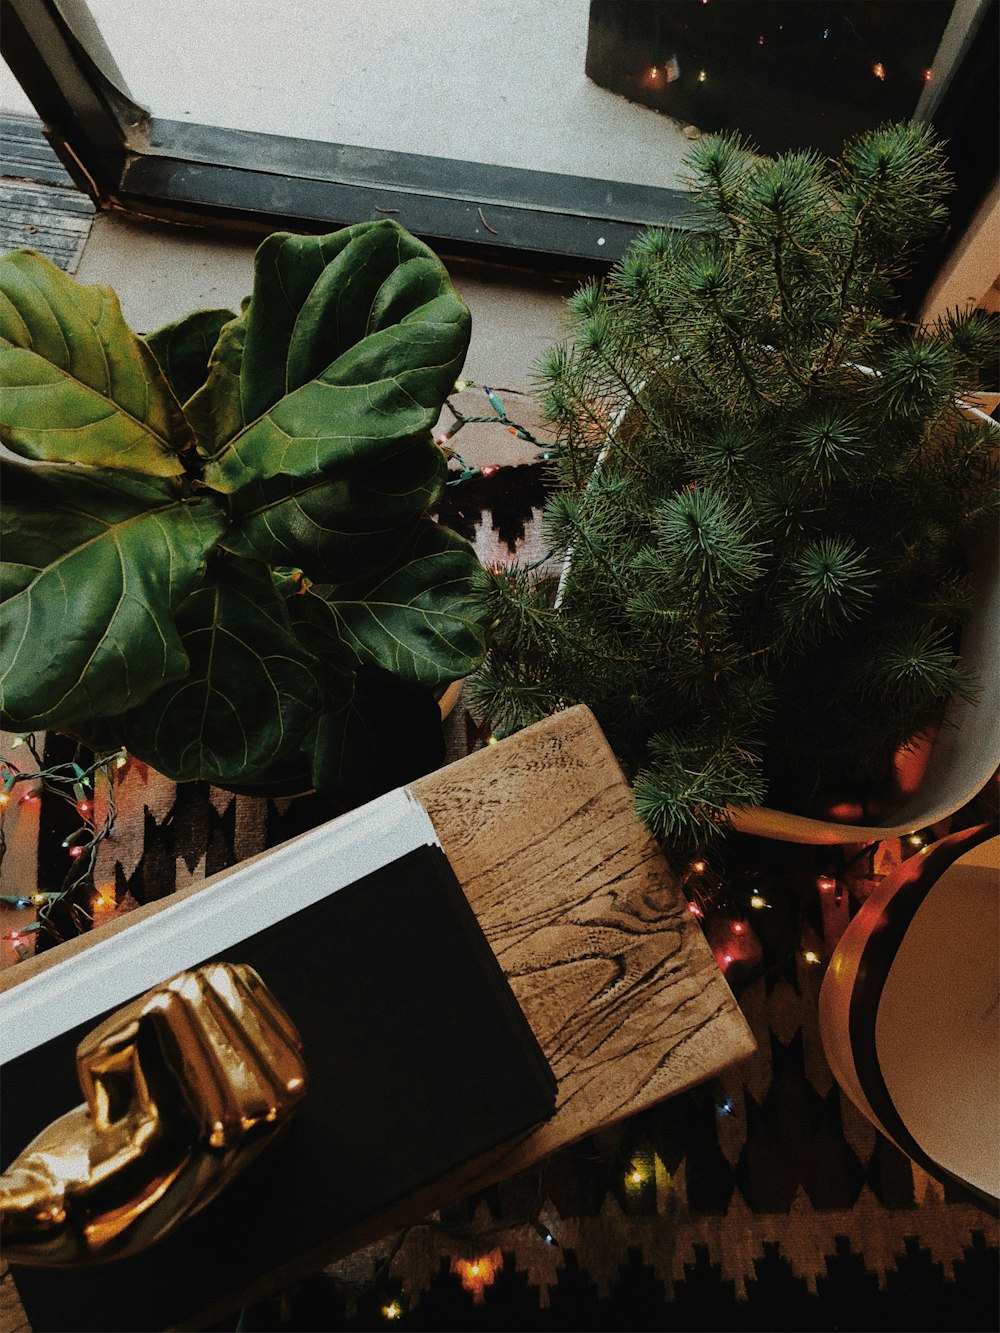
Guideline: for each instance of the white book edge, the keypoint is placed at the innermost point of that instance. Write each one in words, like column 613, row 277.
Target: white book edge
column 239, row 904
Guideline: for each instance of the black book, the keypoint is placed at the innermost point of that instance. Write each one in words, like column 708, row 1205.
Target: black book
column 419, row 1059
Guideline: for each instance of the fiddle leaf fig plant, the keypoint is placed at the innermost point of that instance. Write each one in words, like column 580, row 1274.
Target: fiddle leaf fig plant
column 217, row 550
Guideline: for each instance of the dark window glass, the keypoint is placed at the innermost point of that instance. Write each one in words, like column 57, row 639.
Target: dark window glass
column 788, row 74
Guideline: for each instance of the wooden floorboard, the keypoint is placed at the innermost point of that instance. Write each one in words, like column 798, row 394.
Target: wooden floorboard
column 40, row 207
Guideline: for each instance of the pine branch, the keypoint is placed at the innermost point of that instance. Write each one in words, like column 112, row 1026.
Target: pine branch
column 766, row 540
column 691, row 785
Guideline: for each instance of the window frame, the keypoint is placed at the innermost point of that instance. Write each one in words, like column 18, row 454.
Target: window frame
column 132, row 161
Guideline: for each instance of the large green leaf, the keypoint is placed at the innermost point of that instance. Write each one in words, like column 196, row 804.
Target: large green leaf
column 183, row 349
column 149, row 589
column 349, row 345
column 418, row 618
column 214, row 411
column 250, row 695
column 333, row 529
column 78, row 385
column 373, row 731
column 316, row 627
column 95, row 563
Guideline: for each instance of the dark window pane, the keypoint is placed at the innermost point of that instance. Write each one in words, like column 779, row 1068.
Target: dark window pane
column 788, row 74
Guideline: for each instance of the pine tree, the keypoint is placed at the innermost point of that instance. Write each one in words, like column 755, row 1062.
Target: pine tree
column 766, row 489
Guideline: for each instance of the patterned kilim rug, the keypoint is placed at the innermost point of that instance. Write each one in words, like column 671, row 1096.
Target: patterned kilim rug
column 763, row 1201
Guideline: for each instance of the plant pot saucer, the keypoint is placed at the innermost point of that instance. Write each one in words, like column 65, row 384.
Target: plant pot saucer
column 295, row 784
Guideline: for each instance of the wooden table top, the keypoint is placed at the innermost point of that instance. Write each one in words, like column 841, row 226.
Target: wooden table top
column 593, row 934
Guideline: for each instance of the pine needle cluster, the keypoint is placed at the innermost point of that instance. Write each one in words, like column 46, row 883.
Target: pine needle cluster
column 766, row 491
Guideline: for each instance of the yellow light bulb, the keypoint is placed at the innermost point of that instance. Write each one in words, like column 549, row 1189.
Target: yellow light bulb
column 758, row 901
column 812, row 957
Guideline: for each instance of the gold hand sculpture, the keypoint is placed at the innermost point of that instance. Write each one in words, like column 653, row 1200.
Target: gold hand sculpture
column 184, row 1086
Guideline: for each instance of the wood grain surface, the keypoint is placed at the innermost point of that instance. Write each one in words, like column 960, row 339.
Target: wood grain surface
column 593, row 933
column 596, row 940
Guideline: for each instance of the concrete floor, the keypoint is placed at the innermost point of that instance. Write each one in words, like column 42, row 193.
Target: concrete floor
column 12, row 98
column 493, row 81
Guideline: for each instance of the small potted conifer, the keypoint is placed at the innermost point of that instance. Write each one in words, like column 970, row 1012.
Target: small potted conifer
column 769, row 496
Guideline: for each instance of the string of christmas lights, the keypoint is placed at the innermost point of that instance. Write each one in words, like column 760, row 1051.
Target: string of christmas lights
column 498, row 416
column 668, row 70
column 74, row 784
column 474, row 1273
column 726, row 907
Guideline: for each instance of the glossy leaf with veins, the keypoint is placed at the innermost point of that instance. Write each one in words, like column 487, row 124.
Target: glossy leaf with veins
column 162, row 494
column 250, row 692
column 96, row 565
column 78, row 385
column 350, row 344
